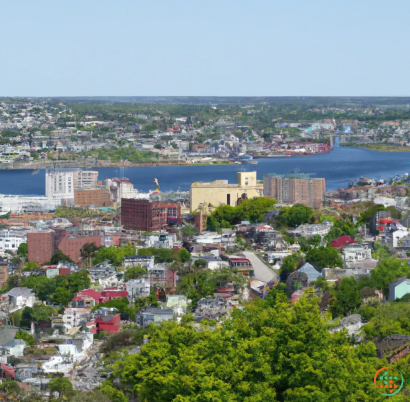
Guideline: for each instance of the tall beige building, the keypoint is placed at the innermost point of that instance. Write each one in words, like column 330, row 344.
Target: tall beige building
column 295, row 188
column 220, row 192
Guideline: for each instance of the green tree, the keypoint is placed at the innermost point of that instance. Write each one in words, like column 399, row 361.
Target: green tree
column 390, row 319
column 87, row 253
column 366, row 216
column 121, row 304
column 263, row 353
column 62, row 296
column 189, row 231
column 307, row 243
column 289, row 264
column 134, row 273
column 62, row 385
column 160, row 254
column 340, row 228
column 113, row 254
column 30, row 266
column 394, row 212
column 201, row 263
column 297, row 215
column 59, row 256
column 347, row 297
column 184, row 255
column 322, row 284
column 276, row 295
column 388, row 270
column 26, row 337
column 114, row 394
column 91, row 396
column 252, row 210
column 324, row 257
column 22, row 250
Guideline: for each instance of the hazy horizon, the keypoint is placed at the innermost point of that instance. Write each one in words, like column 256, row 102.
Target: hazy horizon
column 262, row 48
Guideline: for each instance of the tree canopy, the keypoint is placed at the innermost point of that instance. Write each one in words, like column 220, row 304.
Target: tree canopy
column 324, row 257
column 347, row 297
column 60, row 289
column 22, row 250
column 134, row 273
column 113, row 254
column 263, row 353
column 251, row 210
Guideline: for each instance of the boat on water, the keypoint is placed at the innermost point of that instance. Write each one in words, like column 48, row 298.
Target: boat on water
column 277, row 156
column 248, row 160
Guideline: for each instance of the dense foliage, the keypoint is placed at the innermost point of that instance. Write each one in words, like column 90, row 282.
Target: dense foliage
column 251, row 210
column 262, row 354
column 115, row 255
column 294, row 216
column 60, row 289
column 198, row 282
column 324, row 257
column 164, row 254
column 134, row 273
column 393, row 318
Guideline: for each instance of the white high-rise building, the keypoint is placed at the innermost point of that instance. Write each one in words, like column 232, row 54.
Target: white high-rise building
column 85, row 178
column 60, row 183
column 60, row 186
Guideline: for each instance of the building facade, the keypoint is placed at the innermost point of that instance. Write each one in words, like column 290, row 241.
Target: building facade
column 60, row 186
column 146, row 215
column 40, row 246
column 219, row 192
column 98, row 197
column 73, row 244
column 61, row 183
column 11, row 240
column 295, row 188
column 85, row 178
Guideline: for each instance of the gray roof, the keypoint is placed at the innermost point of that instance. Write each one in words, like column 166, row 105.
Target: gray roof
column 139, row 257
column 311, row 272
column 22, row 291
column 398, row 281
column 158, row 311
column 13, row 343
column 7, row 334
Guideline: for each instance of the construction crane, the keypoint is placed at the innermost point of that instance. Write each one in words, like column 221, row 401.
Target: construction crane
column 157, row 190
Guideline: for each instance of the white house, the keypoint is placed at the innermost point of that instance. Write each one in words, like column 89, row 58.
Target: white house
column 11, row 240
column 20, row 297
column 75, row 316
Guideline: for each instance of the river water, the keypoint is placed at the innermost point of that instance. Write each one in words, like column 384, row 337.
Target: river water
column 337, row 167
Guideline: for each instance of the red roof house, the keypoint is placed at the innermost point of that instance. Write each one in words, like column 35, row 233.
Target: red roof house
column 110, row 323
column 342, row 241
column 90, row 297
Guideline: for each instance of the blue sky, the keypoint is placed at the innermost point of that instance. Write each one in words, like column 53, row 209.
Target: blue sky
column 204, row 47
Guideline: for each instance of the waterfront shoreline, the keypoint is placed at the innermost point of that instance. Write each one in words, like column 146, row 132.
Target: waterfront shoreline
column 99, row 164
column 371, row 148
column 71, row 164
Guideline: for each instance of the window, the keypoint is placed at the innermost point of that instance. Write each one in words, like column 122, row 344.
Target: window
column 228, row 199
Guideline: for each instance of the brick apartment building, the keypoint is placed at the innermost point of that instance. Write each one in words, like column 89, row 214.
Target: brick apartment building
column 40, row 246
column 72, row 244
column 146, row 215
column 295, row 188
column 99, row 197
